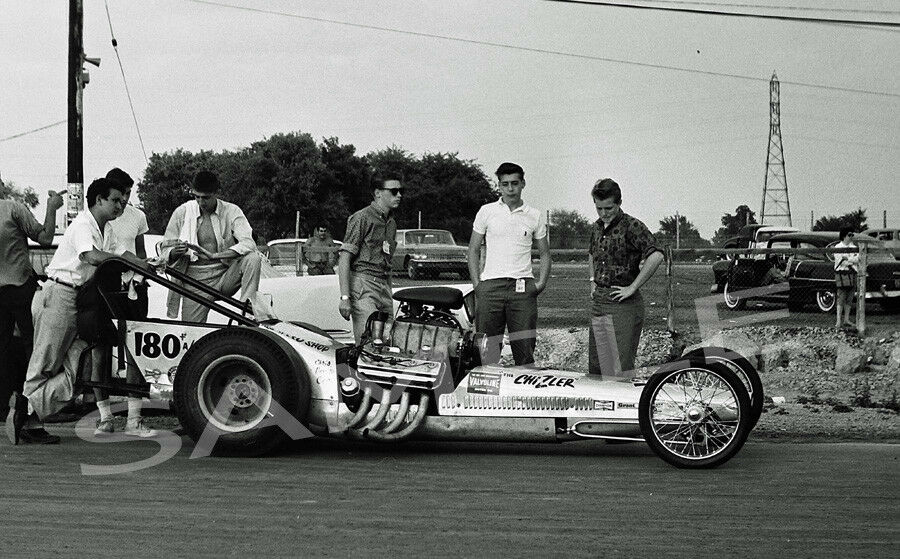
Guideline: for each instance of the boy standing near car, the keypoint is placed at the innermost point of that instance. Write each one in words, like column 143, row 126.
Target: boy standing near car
column 506, row 291
column 17, row 287
column 619, row 242
column 319, row 252
column 87, row 242
column 364, row 264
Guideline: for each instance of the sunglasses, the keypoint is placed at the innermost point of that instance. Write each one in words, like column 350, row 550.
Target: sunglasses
column 393, row 191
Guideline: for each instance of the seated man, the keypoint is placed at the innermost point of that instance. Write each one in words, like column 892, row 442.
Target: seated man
column 212, row 242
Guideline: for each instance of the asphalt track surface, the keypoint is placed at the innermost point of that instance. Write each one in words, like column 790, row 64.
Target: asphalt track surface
column 323, row 498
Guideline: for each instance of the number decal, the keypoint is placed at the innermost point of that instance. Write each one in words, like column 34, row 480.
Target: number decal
column 171, row 346
column 152, row 345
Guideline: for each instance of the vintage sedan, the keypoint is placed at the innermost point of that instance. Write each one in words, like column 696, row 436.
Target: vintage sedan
column 425, row 253
column 807, row 279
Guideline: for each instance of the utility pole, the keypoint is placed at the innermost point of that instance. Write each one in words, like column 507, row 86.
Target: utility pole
column 775, row 190
column 78, row 78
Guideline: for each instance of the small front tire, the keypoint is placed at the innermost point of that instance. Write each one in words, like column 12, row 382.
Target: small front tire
column 695, row 416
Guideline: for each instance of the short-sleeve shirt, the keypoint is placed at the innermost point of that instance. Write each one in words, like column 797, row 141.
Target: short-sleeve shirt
column 370, row 240
column 509, row 235
column 845, row 261
column 617, row 250
column 17, row 225
column 82, row 235
column 128, row 226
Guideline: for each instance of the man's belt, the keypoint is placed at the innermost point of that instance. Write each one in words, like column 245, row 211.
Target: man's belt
column 61, row 282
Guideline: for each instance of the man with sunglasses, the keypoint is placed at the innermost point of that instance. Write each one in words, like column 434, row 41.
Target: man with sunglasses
column 211, row 241
column 319, row 252
column 364, row 264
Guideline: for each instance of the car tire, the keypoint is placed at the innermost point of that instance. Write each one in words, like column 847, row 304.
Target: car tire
column 733, row 302
column 825, row 301
column 411, row 270
column 741, row 367
column 247, row 373
column 680, row 423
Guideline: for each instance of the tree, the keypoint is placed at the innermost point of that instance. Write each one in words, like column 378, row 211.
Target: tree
column 731, row 224
column 570, row 229
column 446, row 189
column 679, row 225
column 27, row 195
column 855, row 219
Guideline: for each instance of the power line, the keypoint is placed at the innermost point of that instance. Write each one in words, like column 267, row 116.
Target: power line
column 33, row 130
column 115, row 45
column 774, row 7
column 802, row 19
column 542, row 51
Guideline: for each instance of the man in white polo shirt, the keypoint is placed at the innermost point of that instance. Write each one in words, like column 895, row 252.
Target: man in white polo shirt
column 506, row 290
column 87, row 242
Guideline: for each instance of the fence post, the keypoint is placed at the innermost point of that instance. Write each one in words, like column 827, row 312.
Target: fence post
column 861, row 291
column 670, row 292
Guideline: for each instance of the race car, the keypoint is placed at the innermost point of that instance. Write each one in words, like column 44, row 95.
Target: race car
column 247, row 386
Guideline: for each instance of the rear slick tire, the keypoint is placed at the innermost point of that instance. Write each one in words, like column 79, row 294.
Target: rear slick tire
column 230, row 381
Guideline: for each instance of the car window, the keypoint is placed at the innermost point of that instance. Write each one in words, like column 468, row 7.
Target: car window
column 429, row 238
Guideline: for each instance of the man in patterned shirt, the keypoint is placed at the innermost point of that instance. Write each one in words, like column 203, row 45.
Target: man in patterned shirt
column 619, row 243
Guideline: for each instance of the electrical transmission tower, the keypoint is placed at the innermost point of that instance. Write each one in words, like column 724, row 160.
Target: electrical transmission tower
column 776, row 206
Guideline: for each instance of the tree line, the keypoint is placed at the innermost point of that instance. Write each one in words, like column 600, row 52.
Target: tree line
column 274, row 179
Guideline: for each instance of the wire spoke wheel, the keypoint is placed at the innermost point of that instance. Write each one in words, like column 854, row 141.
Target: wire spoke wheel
column 696, row 416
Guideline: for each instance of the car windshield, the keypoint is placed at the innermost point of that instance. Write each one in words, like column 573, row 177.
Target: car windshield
column 283, row 254
column 429, row 238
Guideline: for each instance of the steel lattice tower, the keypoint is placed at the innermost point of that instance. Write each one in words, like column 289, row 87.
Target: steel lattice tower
column 776, row 206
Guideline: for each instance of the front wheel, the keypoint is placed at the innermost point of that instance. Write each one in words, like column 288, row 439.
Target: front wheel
column 732, row 301
column 232, row 382
column 825, row 300
column 696, row 416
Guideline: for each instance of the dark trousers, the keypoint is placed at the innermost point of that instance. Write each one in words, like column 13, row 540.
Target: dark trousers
column 499, row 307
column 614, row 334
column 15, row 311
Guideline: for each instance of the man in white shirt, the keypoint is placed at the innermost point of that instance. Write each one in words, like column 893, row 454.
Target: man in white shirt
column 212, row 241
column 506, row 290
column 129, row 229
column 87, row 242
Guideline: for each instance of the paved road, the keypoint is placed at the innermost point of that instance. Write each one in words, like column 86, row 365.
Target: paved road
column 331, row 498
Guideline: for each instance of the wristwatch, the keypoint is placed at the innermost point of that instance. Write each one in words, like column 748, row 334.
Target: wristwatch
column 345, row 297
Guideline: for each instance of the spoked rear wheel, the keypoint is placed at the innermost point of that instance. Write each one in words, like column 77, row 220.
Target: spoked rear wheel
column 696, row 416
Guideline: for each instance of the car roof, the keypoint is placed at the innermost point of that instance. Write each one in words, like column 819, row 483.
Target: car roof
column 421, row 230
column 817, row 237
column 274, row 242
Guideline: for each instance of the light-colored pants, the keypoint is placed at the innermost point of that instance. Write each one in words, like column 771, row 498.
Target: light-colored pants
column 242, row 273
column 367, row 295
column 615, row 333
column 49, row 382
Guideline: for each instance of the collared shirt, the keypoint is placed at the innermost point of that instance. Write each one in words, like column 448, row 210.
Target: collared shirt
column 232, row 230
column 370, row 240
column 128, row 226
column 17, row 225
column 83, row 235
column 618, row 249
column 509, row 235
column 319, row 250
column 846, row 261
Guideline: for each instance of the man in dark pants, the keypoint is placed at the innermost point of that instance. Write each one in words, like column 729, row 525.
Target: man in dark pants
column 506, row 290
column 319, row 252
column 17, row 287
column 619, row 243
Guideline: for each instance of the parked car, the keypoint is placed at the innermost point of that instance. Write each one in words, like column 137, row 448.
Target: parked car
column 429, row 252
column 890, row 236
column 808, row 278
column 755, row 235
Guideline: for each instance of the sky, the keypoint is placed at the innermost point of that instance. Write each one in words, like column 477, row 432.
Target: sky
column 673, row 106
